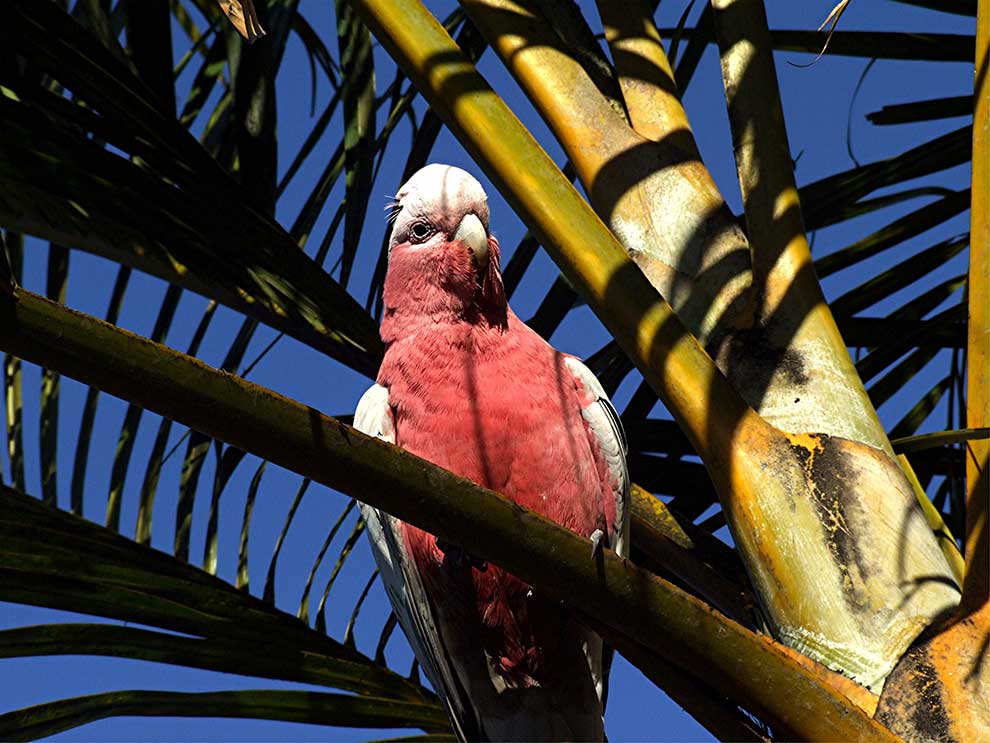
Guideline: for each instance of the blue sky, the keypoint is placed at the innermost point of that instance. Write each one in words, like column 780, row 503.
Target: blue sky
column 816, row 103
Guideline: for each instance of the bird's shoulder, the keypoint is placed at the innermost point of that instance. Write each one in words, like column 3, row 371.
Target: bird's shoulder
column 373, row 414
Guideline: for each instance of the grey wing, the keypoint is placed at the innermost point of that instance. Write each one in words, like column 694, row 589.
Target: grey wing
column 606, row 428
column 402, row 581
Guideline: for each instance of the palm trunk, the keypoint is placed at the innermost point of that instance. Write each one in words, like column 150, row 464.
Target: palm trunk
column 940, row 689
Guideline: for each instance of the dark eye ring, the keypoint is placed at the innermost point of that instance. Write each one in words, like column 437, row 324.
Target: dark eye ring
column 420, row 231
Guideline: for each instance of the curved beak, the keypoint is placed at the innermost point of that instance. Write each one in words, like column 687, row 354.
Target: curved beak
column 473, row 234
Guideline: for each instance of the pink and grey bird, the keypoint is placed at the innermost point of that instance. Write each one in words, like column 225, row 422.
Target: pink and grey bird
column 468, row 386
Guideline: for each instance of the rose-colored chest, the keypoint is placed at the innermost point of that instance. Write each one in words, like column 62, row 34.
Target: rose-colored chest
column 503, row 412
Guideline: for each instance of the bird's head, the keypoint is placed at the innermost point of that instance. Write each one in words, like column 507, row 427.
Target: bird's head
column 442, row 258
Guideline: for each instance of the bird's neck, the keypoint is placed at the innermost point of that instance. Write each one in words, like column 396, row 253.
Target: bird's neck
column 477, row 319
column 418, row 300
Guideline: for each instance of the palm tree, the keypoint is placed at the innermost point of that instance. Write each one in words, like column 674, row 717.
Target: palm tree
column 844, row 607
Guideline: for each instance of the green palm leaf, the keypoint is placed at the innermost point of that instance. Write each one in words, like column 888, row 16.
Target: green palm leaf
column 935, row 108
column 125, row 581
column 92, row 398
column 58, row 274
column 170, row 235
column 292, row 706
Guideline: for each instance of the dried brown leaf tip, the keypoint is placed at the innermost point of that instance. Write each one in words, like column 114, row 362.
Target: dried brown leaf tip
column 834, row 17
column 244, row 17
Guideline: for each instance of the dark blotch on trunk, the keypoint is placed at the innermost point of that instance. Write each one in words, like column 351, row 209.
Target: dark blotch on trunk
column 750, row 360
column 832, row 492
column 915, row 710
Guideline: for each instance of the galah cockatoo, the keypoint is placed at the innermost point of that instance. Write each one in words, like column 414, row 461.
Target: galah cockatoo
column 467, row 385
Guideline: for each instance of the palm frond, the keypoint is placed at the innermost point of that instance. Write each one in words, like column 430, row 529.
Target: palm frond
column 291, row 706
column 358, row 96
column 88, row 418
column 929, row 47
column 244, row 251
column 58, row 275
column 928, row 110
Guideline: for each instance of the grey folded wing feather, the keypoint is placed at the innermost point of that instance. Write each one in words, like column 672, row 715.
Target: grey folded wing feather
column 403, row 583
column 606, row 430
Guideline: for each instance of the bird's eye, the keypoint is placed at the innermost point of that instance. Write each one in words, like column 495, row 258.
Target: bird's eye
column 420, row 231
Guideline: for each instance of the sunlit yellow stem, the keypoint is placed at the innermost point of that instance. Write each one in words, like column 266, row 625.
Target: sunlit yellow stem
column 977, row 549
column 791, row 309
column 645, row 76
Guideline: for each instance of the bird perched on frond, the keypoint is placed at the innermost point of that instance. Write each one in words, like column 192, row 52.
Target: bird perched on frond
column 467, row 385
